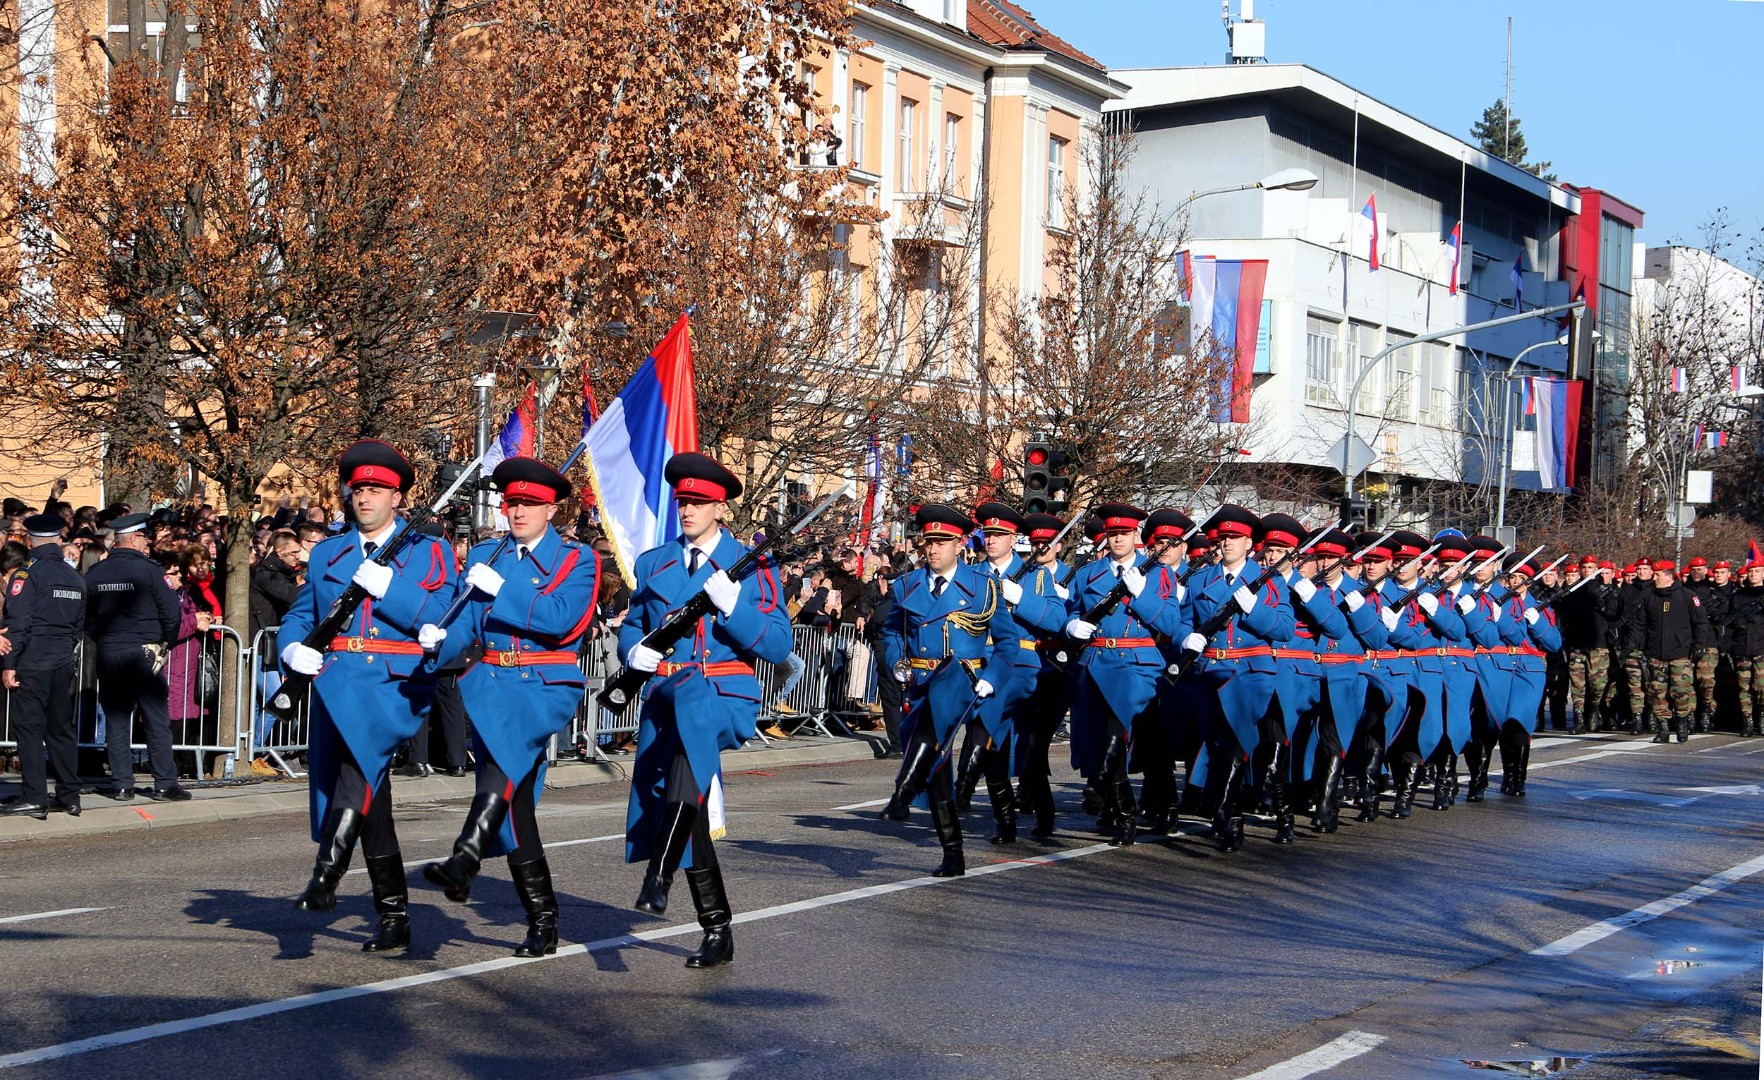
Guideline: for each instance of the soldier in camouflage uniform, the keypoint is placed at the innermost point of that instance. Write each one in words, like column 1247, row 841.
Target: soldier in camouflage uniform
column 1746, row 646
column 1674, row 629
column 1715, row 602
column 1633, row 683
column 1586, row 617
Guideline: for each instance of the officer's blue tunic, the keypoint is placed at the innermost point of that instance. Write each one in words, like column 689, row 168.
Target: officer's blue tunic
column 372, row 701
column 544, row 605
column 1299, row 678
column 1530, row 668
column 1039, row 613
column 689, row 713
column 920, row 628
column 1242, row 687
column 1118, row 680
column 1417, row 690
column 1493, row 666
column 1458, row 676
column 1381, row 698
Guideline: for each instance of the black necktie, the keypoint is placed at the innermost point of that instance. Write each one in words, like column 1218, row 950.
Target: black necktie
column 520, row 552
column 693, row 560
column 937, row 584
column 369, row 548
column 1117, row 571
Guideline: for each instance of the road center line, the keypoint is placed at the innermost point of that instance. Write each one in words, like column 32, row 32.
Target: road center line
column 1637, row 749
column 49, row 914
column 130, row 1036
column 1730, row 746
column 1327, row 1056
column 1598, row 931
column 862, row 805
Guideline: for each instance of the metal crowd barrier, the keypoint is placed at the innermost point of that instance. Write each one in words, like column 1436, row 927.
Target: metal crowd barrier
column 199, row 723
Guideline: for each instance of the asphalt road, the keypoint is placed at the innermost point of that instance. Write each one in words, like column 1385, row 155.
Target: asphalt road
column 1395, row 949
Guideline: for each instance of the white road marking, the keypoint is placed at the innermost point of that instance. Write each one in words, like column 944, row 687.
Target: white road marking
column 1325, row 1057
column 408, row 863
column 1623, row 795
column 1639, row 748
column 1598, row 931
column 50, row 914
column 1731, row 789
column 863, row 805
column 131, row 1036
column 1730, row 746
column 698, row 1070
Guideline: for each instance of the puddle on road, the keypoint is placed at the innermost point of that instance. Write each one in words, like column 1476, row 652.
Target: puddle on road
column 1699, row 963
column 1549, row 1066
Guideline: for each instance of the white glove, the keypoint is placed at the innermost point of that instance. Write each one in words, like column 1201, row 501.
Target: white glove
column 1494, row 613
column 1134, row 579
column 484, row 579
column 1355, row 600
column 1181, row 593
column 373, row 577
column 1080, row 629
column 1194, row 643
column 1245, row 599
column 982, row 688
column 1303, row 589
column 643, row 658
column 1466, row 603
column 1390, row 617
column 1532, row 615
column 1013, row 592
column 723, row 592
column 430, row 636
column 1062, row 592
column 1429, row 603
column 302, row 660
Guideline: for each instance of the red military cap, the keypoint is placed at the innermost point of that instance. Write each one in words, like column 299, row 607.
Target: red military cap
column 1378, row 553
column 1665, row 566
column 522, row 479
column 999, row 517
column 1722, row 564
column 697, row 478
column 1607, row 564
column 1696, row 561
column 372, row 463
column 1043, row 527
column 936, row 519
column 1233, row 520
column 1119, row 518
column 1282, row 530
column 1167, row 524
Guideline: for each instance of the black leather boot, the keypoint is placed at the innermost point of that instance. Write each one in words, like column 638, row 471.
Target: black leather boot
column 336, row 844
column 1445, row 777
column 715, row 917
column 1511, row 740
column 1406, row 778
column 1681, row 726
column 483, row 821
column 968, row 771
column 532, row 882
column 1035, row 790
column 670, row 849
column 1524, row 767
column 1328, row 816
column 391, row 901
column 949, row 834
column 1703, row 721
column 915, row 772
column 1368, row 800
column 997, row 769
column 1228, row 821
column 1660, row 734
column 1280, row 794
column 1476, row 761
column 1751, row 727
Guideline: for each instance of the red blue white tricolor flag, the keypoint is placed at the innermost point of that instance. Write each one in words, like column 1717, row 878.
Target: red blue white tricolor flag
column 1736, row 380
column 653, row 418
column 516, row 437
column 1678, row 380
column 1370, row 213
column 1556, row 403
column 1226, row 303
column 1455, row 246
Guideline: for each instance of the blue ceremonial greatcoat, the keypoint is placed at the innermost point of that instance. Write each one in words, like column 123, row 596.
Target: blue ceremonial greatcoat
column 1378, row 695
column 371, row 701
column 1417, row 688
column 1241, row 688
column 544, row 606
column 1039, row 613
column 1299, row 677
column 688, row 712
column 921, row 629
column 1493, row 665
column 1530, row 668
column 1118, row 680
column 1457, row 673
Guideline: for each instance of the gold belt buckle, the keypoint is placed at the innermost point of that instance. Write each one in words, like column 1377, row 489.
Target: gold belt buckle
column 1219, row 654
column 1108, row 643
column 508, row 658
column 355, row 644
column 1440, row 652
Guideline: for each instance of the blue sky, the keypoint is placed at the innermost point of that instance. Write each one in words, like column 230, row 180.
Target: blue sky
column 1656, row 101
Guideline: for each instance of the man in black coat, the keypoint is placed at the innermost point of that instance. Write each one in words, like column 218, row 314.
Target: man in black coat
column 45, row 620
column 1672, row 632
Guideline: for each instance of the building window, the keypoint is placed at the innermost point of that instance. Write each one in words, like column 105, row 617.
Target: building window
column 1056, row 182
column 952, row 141
column 855, row 123
column 1363, row 344
column 906, row 177
column 1320, row 372
column 1400, row 402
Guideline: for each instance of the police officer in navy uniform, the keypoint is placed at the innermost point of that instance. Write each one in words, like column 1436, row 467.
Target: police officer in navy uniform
column 132, row 617
column 948, row 616
column 373, row 684
column 45, row 616
column 705, row 698
column 532, row 598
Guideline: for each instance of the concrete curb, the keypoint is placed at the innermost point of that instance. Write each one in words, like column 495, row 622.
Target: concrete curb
column 256, row 800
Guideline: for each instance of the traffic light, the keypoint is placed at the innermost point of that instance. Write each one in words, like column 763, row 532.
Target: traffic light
column 1059, row 481
column 1353, row 511
column 1037, row 477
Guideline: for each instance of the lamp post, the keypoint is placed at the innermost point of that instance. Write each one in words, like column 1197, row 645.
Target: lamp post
column 1283, row 180
column 1507, row 431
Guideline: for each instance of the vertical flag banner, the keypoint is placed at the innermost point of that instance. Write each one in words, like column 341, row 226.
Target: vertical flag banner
column 1678, row 380
column 1557, row 407
column 1736, row 380
column 1185, row 281
column 1753, row 553
column 875, row 498
column 1696, row 442
column 1455, row 248
column 1227, row 303
column 1530, row 396
column 516, row 437
column 1370, row 213
column 1518, row 276
column 653, row 418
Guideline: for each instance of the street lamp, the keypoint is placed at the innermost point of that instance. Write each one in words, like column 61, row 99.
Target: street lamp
column 1283, row 180
column 1507, row 425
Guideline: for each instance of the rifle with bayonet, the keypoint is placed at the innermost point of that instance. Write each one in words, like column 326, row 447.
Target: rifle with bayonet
column 1229, row 610
column 1043, row 547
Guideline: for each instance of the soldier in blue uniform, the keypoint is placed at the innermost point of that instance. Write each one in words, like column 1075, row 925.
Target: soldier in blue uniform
column 532, row 598
column 1479, row 601
column 1032, row 609
column 1536, row 636
column 372, row 685
column 132, row 617
column 1459, row 675
column 1332, row 694
column 1418, row 630
column 1237, row 665
column 45, row 619
column 1299, row 689
column 1116, row 692
column 705, row 698
column 947, row 617
column 1386, row 694
column 1047, row 703
column 1157, row 746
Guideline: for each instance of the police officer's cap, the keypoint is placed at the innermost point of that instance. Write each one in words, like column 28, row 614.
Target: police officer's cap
column 1519, row 564
column 43, row 526
column 1042, row 527
column 1167, row 524
column 936, row 519
column 523, row 479
column 372, row 463
column 1233, row 520
column 997, row 517
column 1373, row 547
column 1282, row 530
column 698, row 478
column 1406, row 545
column 1486, row 545
column 1118, row 518
column 1093, row 528
column 1333, row 543
column 128, row 523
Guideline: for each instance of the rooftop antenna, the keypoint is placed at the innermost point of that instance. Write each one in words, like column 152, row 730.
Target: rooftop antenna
column 1246, row 35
